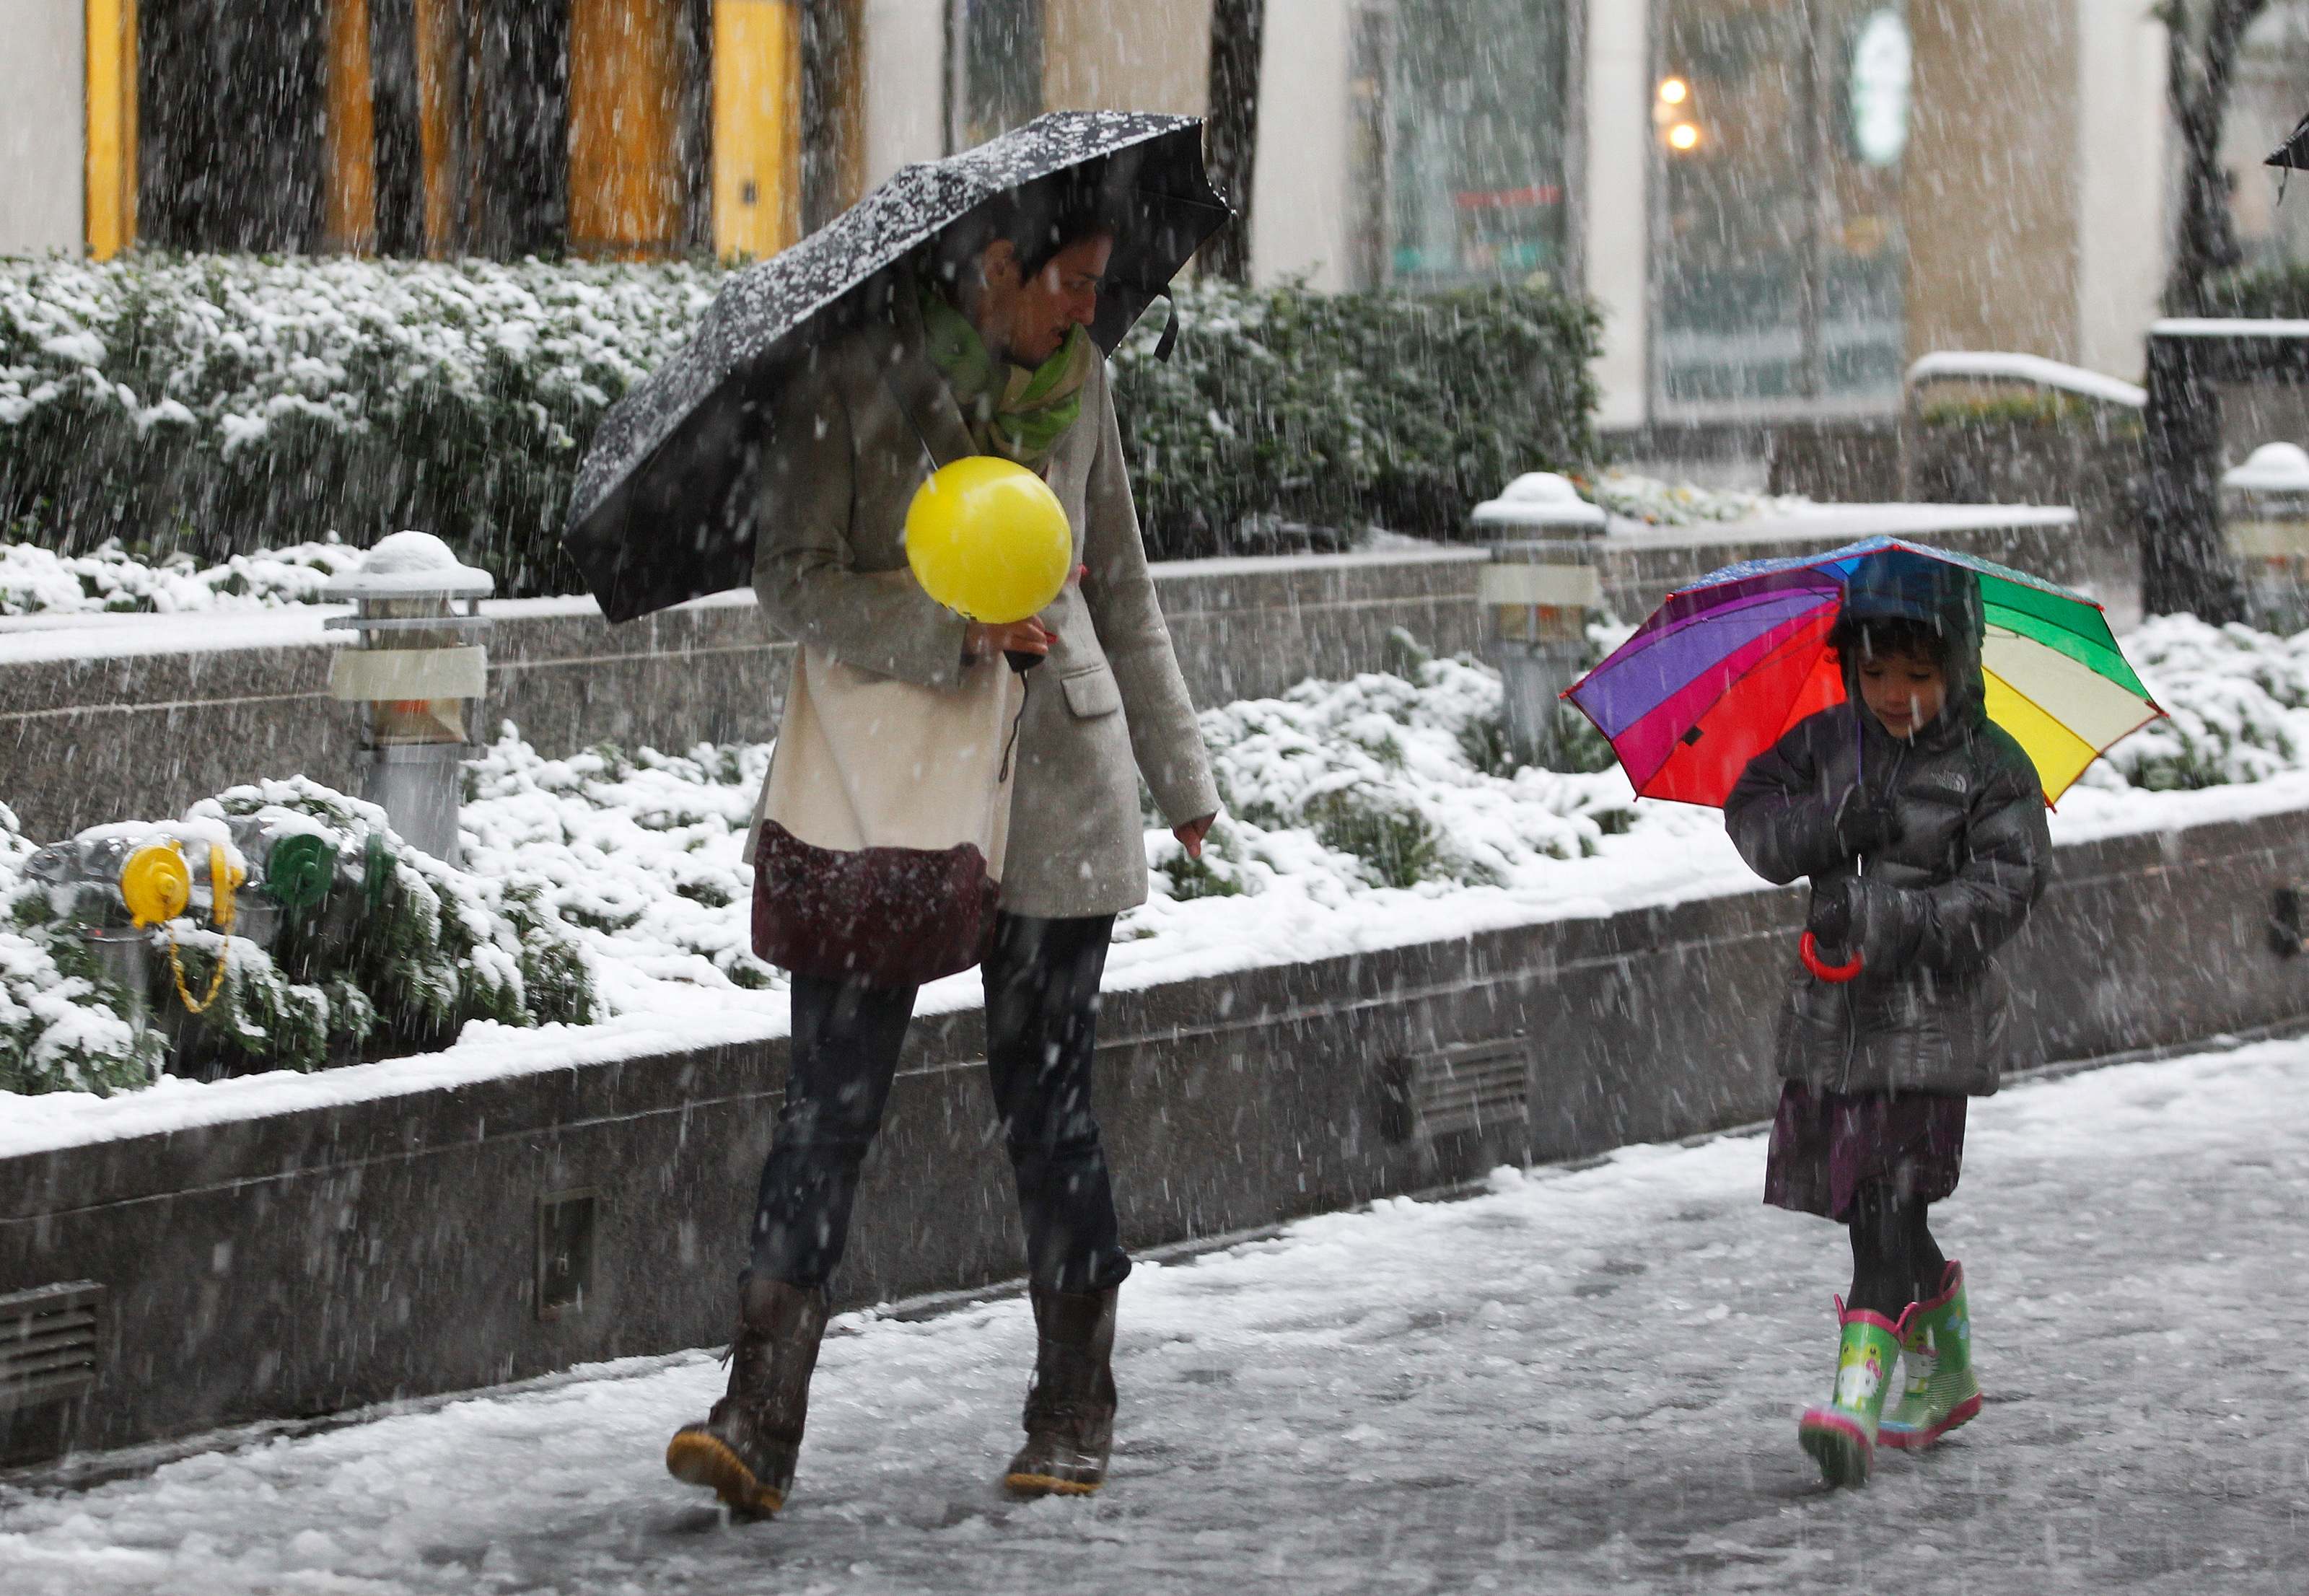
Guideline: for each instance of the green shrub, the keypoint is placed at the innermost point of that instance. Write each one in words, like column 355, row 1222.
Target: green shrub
column 215, row 405
column 1381, row 827
column 1284, row 407
column 2262, row 293
column 407, row 951
column 218, row 405
column 2044, row 408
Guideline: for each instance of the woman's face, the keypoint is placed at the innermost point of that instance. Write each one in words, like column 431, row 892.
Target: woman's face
column 1027, row 318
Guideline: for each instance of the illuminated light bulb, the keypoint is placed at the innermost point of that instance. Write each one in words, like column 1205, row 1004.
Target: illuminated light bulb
column 1674, row 90
column 1683, row 135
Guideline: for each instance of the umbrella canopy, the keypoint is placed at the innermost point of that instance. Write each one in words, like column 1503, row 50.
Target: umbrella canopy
column 1725, row 667
column 2293, row 154
column 663, row 506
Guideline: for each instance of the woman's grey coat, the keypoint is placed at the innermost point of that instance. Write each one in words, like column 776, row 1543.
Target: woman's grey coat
column 1931, row 1011
column 846, row 448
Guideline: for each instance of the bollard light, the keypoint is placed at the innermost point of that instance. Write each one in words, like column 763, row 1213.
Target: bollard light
column 2265, row 513
column 418, row 670
column 1538, row 593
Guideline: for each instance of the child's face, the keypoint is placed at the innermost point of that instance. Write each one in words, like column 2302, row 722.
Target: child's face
column 1902, row 691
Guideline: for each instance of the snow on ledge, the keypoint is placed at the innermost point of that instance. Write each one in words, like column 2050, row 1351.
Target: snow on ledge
column 1701, row 865
column 2186, row 326
column 1999, row 364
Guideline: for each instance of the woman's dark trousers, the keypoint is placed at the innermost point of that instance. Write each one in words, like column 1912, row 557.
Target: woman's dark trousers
column 1041, row 1021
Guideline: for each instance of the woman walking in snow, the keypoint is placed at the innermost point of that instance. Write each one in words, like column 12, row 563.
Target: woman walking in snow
column 983, row 350
column 1922, row 827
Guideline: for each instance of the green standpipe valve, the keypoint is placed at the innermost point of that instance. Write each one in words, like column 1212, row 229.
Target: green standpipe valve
column 299, row 872
column 377, row 873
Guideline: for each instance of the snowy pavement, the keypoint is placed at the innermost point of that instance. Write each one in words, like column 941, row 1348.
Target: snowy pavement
column 1584, row 1380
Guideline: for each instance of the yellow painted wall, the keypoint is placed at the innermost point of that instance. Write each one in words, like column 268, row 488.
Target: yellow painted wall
column 438, row 51
column 624, row 106
column 349, row 200
column 757, row 126
column 111, row 109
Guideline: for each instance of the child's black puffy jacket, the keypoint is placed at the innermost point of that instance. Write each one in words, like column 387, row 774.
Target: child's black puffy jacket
column 1930, row 1012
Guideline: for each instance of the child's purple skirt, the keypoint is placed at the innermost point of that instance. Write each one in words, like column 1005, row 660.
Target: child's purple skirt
column 1826, row 1145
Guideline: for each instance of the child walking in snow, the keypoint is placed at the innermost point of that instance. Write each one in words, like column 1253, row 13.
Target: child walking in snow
column 1922, row 827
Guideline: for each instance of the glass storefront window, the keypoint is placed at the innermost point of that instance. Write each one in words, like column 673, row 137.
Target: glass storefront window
column 1782, row 126
column 1476, row 142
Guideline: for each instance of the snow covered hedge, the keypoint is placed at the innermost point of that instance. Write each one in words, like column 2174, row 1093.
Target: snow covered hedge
column 1282, row 408
column 223, row 404
column 405, row 953
column 2237, row 703
column 35, row 581
column 599, row 884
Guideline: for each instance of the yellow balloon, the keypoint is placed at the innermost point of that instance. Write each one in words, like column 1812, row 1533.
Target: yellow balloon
column 989, row 539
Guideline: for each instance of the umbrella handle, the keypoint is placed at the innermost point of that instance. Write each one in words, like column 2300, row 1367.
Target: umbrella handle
column 1808, row 950
column 1021, row 661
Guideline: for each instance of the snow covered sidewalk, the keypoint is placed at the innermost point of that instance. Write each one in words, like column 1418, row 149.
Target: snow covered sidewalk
column 1585, row 1380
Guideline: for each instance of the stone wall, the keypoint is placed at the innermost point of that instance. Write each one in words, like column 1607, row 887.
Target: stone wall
column 118, row 718
column 126, row 732
column 309, row 1262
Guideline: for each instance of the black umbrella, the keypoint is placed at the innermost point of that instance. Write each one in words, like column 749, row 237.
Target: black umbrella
column 2293, row 154
column 663, row 507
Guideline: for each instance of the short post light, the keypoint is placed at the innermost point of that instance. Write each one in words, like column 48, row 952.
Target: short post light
column 1541, row 589
column 2265, row 513
column 418, row 670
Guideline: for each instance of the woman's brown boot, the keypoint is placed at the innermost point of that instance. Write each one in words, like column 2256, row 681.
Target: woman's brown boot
column 745, row 1451
column 1070, row 1406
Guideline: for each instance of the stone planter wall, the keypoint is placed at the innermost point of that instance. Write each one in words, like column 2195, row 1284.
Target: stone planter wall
column 302, row 1263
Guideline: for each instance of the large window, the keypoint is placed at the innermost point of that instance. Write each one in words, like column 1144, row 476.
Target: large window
column 1462, row 122
column 1781, row 264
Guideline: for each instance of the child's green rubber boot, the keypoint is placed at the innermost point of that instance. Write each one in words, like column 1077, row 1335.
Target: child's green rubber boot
column 1841, row 1438
column 1941, row 1391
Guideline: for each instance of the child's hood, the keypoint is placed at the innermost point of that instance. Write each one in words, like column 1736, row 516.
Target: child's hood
column 1899, row 585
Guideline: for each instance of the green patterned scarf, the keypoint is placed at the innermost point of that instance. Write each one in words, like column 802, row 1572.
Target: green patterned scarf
column 1018, row 414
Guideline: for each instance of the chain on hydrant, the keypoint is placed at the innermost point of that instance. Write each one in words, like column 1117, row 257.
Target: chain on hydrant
column 223, row 882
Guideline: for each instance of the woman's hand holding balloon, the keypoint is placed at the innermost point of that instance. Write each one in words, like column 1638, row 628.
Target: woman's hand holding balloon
column 982, row 642
column 1032, row 636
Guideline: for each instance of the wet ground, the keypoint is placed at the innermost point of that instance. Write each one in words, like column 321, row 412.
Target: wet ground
column 1584, row 1380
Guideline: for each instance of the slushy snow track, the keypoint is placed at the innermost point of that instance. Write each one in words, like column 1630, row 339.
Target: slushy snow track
column 1584, row 1380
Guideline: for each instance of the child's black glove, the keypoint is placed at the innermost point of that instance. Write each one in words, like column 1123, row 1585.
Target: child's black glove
column 1830, row 924
column 1865, row 825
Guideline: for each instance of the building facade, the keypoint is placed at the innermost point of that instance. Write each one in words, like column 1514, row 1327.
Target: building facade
column 1779, row 204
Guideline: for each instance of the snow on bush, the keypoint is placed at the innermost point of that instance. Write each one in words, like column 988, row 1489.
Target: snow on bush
column 641, row 856
column 590, row 876
column 2237, row 703
column 1392, row 780
column 33, row 581
column 216, row 403
column 221, row 403
column 406, row 950
column 1658, row 502
column 230, row 347
column 1284, row 409
column 62, row 1027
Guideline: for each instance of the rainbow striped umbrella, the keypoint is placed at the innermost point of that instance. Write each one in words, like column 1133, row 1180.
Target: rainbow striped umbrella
column 1726, row 665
